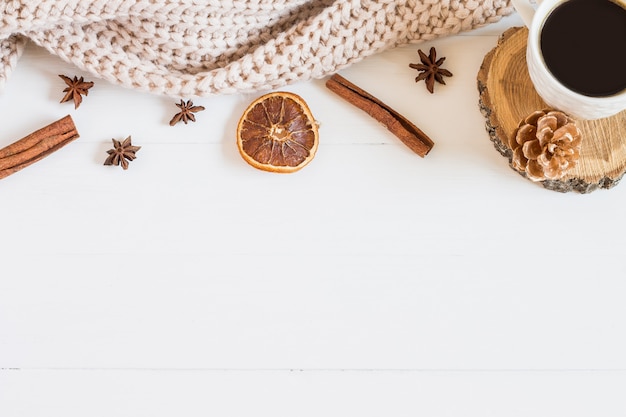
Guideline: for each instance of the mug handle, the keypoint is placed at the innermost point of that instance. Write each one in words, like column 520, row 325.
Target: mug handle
column 525, row 10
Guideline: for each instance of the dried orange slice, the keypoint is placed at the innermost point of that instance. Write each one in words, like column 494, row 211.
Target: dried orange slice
column 277, row 133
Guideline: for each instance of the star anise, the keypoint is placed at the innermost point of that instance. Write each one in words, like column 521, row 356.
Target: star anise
column 121, row 153
column 186, row 113
column 430, row 69
column 75, row 89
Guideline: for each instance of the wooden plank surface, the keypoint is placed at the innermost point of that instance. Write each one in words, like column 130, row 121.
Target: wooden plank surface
column 398, row 285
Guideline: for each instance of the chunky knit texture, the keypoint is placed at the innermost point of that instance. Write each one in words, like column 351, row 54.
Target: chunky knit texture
column 188, row 48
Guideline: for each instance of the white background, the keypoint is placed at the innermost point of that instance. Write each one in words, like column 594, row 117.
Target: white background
column 371, row 283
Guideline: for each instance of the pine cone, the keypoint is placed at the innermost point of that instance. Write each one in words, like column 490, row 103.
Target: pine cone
column 545, row 145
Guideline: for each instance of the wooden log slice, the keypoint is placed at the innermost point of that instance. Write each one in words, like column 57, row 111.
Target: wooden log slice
column 507, row 96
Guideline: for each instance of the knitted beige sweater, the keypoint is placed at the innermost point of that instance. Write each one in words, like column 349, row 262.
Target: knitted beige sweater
column 188, row 48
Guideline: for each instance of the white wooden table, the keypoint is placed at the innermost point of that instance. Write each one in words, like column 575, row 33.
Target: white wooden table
column 371, row 283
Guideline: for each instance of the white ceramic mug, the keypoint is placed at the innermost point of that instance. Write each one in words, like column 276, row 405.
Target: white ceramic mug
column 553, row 92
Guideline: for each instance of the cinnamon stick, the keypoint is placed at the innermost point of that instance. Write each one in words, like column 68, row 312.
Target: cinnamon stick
column 397, row 124
column 36, row 146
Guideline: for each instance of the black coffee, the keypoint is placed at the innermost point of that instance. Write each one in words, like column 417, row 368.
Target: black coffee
column 583, row 43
